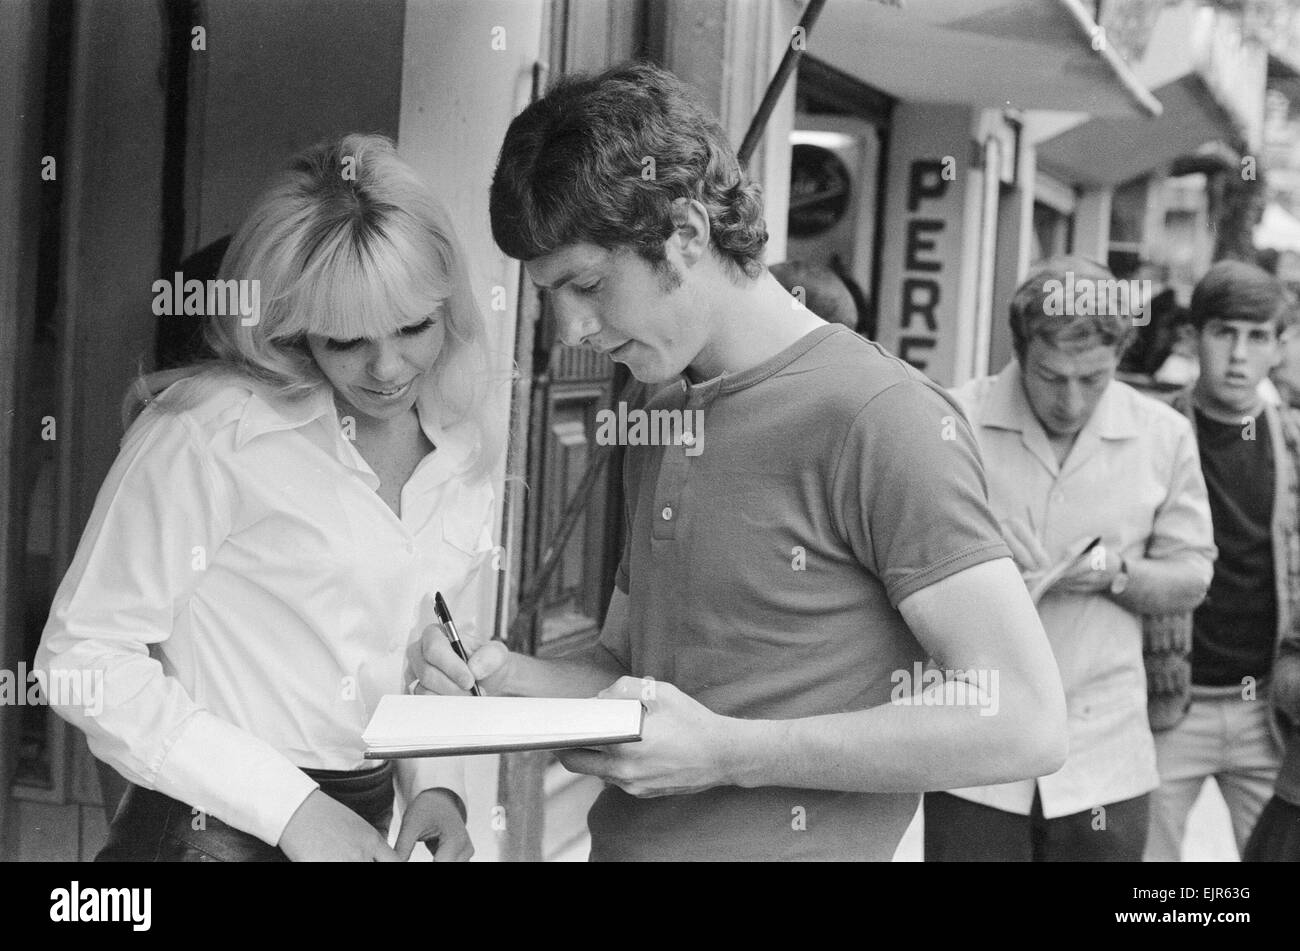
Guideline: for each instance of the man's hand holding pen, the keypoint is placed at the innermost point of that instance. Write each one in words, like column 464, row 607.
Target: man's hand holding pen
column 1093, row 571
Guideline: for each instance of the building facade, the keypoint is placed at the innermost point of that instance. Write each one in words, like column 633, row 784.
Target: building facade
column 927, row 151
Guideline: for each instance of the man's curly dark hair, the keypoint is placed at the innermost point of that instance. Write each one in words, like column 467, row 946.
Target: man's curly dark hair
column 603, row 158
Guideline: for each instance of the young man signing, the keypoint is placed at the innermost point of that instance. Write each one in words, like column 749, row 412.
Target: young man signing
column 831, row 532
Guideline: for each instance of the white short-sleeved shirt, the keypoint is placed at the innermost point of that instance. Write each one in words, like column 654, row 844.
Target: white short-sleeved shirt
column 1132, row 477
column 249, row 597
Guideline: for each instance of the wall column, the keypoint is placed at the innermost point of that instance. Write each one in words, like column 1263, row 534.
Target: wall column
column 1092, row 223
column 729, row 51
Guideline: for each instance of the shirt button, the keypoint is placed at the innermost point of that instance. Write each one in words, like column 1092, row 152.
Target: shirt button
column 1058, row 496
column 667, row 513
column 410, row 547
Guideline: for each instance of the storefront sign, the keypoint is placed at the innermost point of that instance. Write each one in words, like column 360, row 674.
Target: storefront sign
column 922, row 268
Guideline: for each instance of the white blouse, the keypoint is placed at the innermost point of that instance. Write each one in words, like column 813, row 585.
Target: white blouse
column 249, row 597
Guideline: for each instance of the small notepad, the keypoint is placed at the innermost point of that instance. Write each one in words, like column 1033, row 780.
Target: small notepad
column 1054, row 574
column 404, row 726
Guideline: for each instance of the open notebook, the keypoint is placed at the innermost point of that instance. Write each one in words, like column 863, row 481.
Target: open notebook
column 458, row 726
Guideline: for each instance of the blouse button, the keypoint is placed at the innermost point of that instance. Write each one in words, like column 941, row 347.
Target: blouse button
column 667, row 513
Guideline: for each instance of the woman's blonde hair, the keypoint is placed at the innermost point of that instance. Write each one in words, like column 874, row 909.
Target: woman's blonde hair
column 347, row 243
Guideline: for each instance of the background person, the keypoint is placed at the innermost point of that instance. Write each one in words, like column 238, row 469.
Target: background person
column 819, row 289
column 1072, row 454
column 1276, row 836
column 1250, row 455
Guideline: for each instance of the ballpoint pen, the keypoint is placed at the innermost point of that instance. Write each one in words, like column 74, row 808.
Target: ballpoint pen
column 449, row 628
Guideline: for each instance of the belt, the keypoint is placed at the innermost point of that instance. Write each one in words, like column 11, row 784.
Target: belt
column 1227, row 692
column 152, row 827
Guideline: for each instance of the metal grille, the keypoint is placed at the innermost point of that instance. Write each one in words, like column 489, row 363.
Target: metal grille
column 571, row 365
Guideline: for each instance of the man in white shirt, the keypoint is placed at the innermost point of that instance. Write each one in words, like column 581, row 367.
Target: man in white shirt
column 1074, row 455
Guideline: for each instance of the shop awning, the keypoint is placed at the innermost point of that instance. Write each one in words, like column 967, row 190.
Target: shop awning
column 1019, row 54
column 1278, row 229
column 1108, row 150
column 1284, row 76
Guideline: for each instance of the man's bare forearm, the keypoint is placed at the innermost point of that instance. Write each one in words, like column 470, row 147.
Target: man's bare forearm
column 583, row 674
column 893, row 748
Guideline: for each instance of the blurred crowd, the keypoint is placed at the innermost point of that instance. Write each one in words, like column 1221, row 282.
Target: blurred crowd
column 1188, row 522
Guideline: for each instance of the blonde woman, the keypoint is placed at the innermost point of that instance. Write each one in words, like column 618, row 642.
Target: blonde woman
column 265, row 546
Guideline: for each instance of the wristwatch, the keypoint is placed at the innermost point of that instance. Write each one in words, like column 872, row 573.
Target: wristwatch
column 1120, row 582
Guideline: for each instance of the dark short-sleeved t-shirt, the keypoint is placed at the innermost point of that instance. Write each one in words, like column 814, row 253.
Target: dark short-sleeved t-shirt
column 764, row 568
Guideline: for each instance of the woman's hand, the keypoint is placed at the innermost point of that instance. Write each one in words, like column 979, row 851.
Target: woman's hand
column 434, row 820
column 324, row 830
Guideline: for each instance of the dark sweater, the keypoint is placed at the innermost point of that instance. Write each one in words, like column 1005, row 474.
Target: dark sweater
column 1235, row 628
